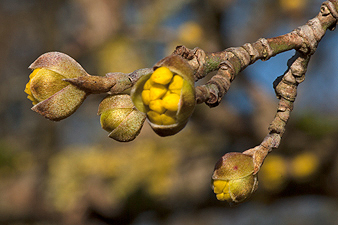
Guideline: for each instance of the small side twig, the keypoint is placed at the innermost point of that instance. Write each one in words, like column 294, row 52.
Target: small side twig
column 286, row 85
column 286, row 91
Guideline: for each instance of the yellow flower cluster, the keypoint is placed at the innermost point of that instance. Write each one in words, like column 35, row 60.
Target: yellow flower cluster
column 162, row 93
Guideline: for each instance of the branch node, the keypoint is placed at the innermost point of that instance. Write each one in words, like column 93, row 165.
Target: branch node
column 198, row 62
column 213, row 99
column 184, row 52
column 277, row 125
column 202, row 94
column 227, row 66
column 267, row 50
column 219, row 84
column 254, row 54
column 242, row 55
column 285, row 89
column 311, row 33
column 329, row 8
column 332, row 5
column 284, row 105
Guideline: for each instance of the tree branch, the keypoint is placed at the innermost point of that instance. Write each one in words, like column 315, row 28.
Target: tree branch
column 233, row 60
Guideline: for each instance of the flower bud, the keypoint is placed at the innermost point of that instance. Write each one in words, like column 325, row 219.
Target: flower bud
column 233, row 179
column 166, row 96
column 51, row 96
column 120, row 118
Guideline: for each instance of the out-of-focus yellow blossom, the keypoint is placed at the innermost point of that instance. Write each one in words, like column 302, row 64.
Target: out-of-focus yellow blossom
column 167, row 96
column 273, row 174
column 292, row 5
column 121, row 51
column 190, row 33
column 123, row 172
column 304, row 166
column 233, row 179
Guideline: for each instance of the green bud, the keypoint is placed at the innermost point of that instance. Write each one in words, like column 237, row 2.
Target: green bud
column 166, row 96
column 120, row 118
column 233, row 179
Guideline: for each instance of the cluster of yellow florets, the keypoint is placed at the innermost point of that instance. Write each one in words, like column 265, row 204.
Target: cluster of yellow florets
column 162, row 93
column 221, row 189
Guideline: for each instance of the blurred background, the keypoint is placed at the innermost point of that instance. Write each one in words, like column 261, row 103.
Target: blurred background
column 70, row 172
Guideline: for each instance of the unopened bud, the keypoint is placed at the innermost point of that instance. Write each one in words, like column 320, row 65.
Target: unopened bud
column 120, row 118
column 233, row 179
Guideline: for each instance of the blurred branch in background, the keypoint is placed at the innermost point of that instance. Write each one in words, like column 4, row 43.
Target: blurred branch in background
column 72, row 173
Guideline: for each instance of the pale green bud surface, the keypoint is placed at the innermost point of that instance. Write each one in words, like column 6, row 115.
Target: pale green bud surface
column 120, row 118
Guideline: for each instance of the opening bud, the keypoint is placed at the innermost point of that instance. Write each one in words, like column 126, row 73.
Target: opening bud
column 51, row 96
column 166, row 96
